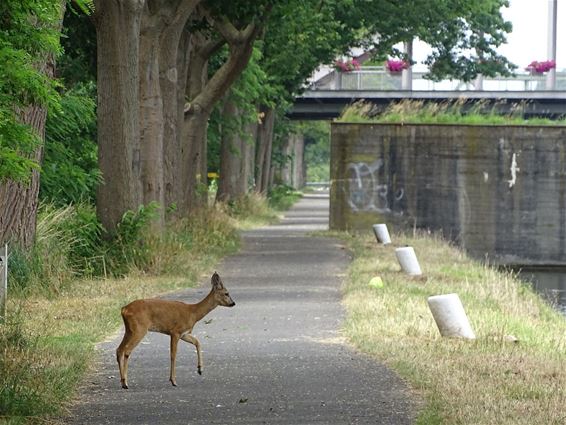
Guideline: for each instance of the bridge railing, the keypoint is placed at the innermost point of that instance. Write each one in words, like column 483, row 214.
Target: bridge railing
column 379, row 79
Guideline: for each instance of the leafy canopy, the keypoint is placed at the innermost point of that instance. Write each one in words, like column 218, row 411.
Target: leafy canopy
column 27, row 35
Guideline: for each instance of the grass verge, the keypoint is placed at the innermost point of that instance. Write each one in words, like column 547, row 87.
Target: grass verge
column 47, row 344
column 449, row 112
column 486, row 381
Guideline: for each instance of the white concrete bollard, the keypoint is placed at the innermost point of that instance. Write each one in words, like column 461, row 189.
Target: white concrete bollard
column 381, row 233
column 450, row 317
column 408, row 260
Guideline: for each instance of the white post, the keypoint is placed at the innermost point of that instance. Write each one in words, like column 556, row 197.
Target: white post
column 381, row 233
column 552, row 14
column 450, row 317
column 408, row 260
column 3, row 281
column 407, row 74
column 478, row 83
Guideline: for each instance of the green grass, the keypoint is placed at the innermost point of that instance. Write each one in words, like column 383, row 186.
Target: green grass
column 453, row 112
column 485, row 381
column 47, row 344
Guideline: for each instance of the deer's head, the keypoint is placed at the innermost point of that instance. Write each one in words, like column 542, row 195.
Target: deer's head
column 221, row 294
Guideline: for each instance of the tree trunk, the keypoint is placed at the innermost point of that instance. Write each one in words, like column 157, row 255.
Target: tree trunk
column 194, row 135
column 118, row 30
column 173, row 83
column 232, row 162
column 151, row 117
column 195, row 125
column 173, row 66
column 19, row 201
column 263, row 152
column 248, row 159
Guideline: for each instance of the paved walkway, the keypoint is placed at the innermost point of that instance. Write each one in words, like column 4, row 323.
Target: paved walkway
column 275, row 358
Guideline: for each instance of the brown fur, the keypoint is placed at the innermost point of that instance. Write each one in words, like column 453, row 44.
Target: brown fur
column 173, row 318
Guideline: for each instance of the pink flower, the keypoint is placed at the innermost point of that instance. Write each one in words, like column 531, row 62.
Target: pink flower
column 396, row 65
column 536, row 67
column 347, row 66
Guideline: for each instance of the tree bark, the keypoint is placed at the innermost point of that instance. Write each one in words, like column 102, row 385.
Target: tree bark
column 249, row 157
column 263, row 150
column 162, row 24
column 151, row 113
column 19, row 201
column 232, row 161
column 173, row 76
column 193, row 167
column 118, row 31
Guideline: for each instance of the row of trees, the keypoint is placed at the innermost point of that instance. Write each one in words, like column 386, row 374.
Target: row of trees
column 173, row 75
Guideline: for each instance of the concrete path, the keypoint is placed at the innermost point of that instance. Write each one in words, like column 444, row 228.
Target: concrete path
column 277, row 357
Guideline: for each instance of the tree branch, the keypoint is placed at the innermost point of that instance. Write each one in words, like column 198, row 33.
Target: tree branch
column 211, row 47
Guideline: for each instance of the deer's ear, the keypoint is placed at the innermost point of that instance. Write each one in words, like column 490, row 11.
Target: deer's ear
column 216, row 281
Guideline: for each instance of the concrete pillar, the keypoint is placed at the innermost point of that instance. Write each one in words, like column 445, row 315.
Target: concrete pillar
column 298, row 172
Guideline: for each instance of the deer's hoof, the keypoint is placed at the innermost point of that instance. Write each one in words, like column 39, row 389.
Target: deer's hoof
column 173, row 383
column 124, row 385
column 199, row 370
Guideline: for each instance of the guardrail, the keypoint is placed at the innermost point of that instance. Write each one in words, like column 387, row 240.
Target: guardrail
column 379, row 79
column 318, row 185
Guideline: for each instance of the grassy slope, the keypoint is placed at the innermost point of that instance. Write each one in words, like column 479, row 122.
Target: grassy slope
column 486, row 381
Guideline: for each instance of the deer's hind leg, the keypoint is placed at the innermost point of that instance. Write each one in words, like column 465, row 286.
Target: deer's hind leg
column 132, row 338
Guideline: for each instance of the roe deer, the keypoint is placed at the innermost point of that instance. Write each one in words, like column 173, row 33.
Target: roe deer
column 173, row 318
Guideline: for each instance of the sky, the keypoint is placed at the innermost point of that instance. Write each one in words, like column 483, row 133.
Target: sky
column 529, row 39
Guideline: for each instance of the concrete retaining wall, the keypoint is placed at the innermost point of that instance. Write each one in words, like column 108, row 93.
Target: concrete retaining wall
column 496, row 190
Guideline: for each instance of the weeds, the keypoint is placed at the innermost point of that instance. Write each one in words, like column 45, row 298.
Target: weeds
column 282, row 197
column 449, row 112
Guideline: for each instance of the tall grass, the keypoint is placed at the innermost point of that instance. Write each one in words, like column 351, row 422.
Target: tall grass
column 448, row 112
column 487, row 381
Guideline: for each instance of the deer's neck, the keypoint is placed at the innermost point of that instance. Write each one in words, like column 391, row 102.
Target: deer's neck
column 205, row 306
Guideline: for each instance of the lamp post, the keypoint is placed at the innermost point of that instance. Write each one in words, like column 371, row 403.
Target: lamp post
column 552, row 14
column 407, row 74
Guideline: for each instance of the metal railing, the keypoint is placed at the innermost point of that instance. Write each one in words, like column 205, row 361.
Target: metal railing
column 377, row 78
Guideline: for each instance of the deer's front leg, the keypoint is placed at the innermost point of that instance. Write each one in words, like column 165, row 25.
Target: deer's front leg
column 174, row 341
column 192, row 340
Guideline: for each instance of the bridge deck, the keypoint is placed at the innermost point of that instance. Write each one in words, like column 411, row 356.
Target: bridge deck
column 328, row 104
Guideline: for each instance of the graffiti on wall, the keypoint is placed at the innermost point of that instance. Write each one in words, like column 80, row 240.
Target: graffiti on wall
column 366, row 192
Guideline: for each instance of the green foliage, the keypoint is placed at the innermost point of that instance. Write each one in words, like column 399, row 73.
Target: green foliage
column 78, row 39
column 317, row 150
column 28, row 35
column 299, row 37
column 70, row 171
column 67, row 245
column 129, row 248
column 251, row 89
column 463, row 35
column 282, row 197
